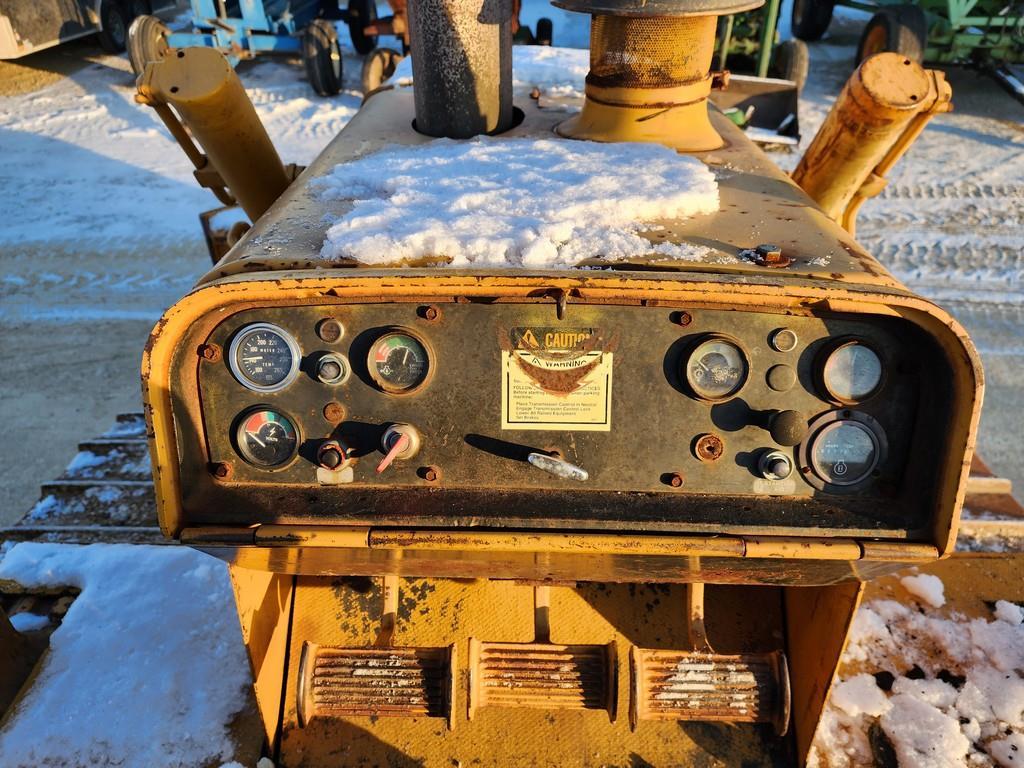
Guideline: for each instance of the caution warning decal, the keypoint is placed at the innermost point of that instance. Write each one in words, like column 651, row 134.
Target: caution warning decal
column 556, row 378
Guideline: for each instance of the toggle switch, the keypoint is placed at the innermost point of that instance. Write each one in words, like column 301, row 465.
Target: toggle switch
column 399, row 443
column 774, row 465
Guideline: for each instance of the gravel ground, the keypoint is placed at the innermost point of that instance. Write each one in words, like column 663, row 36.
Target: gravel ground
column 75, row 312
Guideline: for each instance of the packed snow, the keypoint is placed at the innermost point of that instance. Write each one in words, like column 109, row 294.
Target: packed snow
column 937, row 688
column 146, row 669
column 927, row 587
column 513, row 202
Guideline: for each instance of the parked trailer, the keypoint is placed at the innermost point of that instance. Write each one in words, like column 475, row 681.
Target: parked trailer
column 27, row 26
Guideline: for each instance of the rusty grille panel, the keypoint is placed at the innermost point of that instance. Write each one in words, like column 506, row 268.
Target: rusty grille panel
column 643, row 52
column 342, row 682
column 680, row 685
column 542, row 676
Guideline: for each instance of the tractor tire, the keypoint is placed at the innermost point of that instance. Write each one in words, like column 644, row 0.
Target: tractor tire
column 792, row 61
column 545, row 31
column 810, row 18
column 378, row 67
column 901, row 29
column 113, row 34
column 322, row 56
column 361, row 13
column 147, row 41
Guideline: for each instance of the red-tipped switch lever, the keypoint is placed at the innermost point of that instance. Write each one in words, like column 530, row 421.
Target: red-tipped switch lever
column 398, row 445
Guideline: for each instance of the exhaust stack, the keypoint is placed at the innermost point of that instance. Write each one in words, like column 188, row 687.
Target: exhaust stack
column 462, row 66
column 650, row 71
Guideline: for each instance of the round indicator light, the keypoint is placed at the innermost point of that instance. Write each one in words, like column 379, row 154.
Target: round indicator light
column 264, row 358
column 784, row 340
column 398, row 362
column 266, row 438
column 851, row 372
column 716, row 369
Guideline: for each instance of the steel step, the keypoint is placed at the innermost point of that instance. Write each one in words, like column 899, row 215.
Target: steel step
column 542, row 676
column 689, row 685
column 337, row 682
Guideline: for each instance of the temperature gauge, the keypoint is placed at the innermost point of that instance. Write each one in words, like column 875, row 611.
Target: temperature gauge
column 716, row 369
column 264, row 358
column 852, row 372
column 398, row 362
column 266, row 438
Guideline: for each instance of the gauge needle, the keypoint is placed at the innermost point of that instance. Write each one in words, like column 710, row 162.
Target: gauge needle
column 405, row 357
column 396, row 448
column 251, row 359
column 255, row 437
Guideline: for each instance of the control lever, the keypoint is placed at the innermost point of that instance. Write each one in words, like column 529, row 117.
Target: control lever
column 787, row 428
column 557, row 467
column 400, row 442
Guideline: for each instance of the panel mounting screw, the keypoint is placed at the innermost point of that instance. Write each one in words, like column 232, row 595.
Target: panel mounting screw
column 221, row 470
column 682, row 319
column 431, row 474
column 430, row 313
column 209, row 352
column 675, row 479
column 709, row 448
column 334, row 412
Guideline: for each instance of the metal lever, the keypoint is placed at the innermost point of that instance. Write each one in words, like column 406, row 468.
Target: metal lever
column 557, row 467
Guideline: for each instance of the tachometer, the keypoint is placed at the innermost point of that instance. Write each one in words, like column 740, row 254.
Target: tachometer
column 398, row 362
column 264, row 358
column 851, row 372
column 266, row 438
column 716, row 369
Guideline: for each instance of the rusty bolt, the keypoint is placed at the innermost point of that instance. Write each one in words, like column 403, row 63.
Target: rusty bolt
column 709, row 448
column 682, row 319
column 221, row 470
column 334, row 412
column 769, row 255
column 430, row 313
column 209, row 352
column 431, row 474
column 675, row 480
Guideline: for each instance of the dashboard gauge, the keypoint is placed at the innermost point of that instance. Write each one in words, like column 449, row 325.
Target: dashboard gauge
column 264, row 358
column 398, row 362
column 852, row 372
column 844, row 449
column 716, row 369
column 266, row 438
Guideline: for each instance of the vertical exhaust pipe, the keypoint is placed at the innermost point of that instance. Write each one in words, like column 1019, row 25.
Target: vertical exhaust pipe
column 462, row 66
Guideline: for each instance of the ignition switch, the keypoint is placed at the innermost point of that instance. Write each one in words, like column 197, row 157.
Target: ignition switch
column 400, row 442
column 774, row 465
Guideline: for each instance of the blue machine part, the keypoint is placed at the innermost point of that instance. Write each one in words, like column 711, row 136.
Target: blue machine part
column 240, row 29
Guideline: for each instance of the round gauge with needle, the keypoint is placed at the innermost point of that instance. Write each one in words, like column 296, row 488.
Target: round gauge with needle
column 264, row 358
column 398, row 362
column 716, row 369
column 851, row 372
column 266, row 438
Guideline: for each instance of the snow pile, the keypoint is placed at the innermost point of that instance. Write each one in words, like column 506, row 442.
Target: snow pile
column 147, row 668
column 538, row 203
column 931, row 691
column 559, row 71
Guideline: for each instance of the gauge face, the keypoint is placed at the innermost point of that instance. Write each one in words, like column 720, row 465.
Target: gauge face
column 852, row 373
column 398, row 362
column 266, row 438
column 264, row 357
column 844, row 453
column 716, row 369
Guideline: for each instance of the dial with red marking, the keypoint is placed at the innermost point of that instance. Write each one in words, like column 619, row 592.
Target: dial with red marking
column 266, row 438
column 398, row 362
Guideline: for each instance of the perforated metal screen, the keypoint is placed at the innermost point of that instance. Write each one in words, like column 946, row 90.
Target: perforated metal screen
column 646, row 52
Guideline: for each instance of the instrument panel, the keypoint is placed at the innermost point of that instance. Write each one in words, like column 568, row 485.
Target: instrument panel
column 477, row 414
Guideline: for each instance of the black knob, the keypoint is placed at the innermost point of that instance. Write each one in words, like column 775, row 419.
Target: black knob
column 787, row 427
column 331, row 458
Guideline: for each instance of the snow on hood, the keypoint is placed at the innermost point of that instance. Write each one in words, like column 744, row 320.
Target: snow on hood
column 534, row 203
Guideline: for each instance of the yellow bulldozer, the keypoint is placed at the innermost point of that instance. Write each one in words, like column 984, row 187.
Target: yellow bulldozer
column 618, row 511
